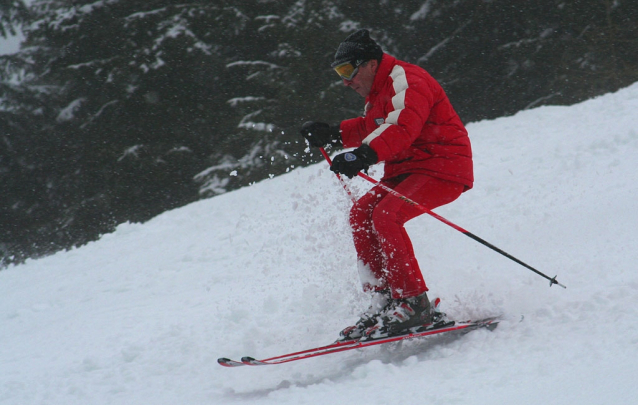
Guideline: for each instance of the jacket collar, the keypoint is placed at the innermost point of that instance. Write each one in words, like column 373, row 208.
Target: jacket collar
column 383, row 71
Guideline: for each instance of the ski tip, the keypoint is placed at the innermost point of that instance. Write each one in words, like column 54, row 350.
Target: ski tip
column 226, row 362
column 252, row 361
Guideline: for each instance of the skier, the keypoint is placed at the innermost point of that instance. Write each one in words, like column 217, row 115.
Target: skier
column 410, row 124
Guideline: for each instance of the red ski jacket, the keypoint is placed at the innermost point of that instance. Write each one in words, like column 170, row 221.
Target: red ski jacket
column 411, row 125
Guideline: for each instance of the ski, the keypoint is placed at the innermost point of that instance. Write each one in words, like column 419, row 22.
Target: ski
column 226, row 362
column 229, row 363
column 340, row 346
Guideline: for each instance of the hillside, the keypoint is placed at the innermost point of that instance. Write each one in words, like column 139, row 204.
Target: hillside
column 141, row 315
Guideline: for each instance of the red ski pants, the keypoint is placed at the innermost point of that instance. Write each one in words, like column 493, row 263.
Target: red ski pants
column 385, row 253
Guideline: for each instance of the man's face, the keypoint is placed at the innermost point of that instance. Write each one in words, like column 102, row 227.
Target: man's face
column 362, row 82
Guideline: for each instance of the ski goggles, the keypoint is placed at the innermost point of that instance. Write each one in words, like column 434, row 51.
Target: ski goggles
column 347, row 70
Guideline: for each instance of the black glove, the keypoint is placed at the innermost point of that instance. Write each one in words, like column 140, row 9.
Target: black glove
column 351, row 163
column 320, row 134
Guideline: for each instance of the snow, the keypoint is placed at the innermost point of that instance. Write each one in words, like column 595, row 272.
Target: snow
column 11, row 44
column 140, row 316
column 68, row 112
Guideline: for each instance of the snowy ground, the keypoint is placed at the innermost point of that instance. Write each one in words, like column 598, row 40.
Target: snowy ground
column 141, row 316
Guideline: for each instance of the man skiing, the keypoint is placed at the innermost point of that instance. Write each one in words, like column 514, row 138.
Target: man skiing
column 409, row 124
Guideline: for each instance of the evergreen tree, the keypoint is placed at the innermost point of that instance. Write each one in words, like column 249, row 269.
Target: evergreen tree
column 13, row 13
column 117, row 110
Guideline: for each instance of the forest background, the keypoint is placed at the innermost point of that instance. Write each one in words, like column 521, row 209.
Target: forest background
column 118, row 110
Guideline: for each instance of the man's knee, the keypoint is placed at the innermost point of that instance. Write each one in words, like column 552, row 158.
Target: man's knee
column 383, row 217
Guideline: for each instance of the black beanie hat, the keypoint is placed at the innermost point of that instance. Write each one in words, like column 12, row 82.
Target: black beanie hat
column 357, row 48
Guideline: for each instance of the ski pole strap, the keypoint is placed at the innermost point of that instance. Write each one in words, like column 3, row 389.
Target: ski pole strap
column 552, row 280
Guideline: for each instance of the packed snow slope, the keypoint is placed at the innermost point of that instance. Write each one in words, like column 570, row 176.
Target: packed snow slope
column 140, row 316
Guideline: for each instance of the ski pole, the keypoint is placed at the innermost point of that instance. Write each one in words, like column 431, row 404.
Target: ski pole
column 552, row 280
column 343, row 183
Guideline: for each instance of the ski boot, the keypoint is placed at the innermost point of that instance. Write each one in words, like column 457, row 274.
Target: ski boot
column 380, row 301
column 400, row 316
column 439, row 318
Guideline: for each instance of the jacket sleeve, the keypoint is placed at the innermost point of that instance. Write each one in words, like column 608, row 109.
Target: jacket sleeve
column 352, row 132
column 408, row 109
